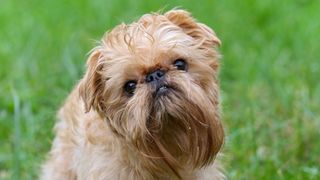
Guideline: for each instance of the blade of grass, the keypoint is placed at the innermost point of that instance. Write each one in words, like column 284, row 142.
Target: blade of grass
column 16, row 136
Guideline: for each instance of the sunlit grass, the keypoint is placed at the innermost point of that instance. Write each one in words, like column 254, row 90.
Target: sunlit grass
column 269, row 78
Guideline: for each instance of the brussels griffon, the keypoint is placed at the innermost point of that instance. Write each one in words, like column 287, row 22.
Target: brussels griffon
column 147, row 106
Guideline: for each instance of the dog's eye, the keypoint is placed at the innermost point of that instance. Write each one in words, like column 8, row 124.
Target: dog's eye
column 129, row 87
column 180, row 64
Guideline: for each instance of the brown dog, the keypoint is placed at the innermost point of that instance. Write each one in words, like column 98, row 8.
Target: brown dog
column 147, row 106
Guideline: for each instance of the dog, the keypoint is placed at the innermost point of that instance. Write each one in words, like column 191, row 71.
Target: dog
column 147, row 106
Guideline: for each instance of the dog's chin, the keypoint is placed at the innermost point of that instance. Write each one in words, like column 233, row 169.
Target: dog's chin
column 169, row 111
column 180, row 130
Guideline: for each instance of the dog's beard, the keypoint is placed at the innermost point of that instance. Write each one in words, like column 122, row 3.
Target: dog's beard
column 180, row 127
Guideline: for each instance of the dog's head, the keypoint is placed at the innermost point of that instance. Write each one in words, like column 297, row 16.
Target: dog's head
column 155, row 82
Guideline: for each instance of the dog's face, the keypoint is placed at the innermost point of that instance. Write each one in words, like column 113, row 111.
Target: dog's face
column 155, row 83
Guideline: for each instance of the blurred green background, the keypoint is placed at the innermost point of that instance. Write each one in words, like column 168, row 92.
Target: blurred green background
column 269, row 77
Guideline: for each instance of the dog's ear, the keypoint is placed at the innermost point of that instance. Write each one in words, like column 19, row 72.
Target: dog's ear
column 190, row 26
column 90, row 87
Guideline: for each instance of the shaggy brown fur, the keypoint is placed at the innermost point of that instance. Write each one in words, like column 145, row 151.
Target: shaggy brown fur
column 104, row 133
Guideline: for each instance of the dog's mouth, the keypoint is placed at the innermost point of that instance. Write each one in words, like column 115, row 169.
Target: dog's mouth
column 162, row 90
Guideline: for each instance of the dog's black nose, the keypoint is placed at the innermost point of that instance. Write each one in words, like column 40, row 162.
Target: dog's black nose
column 155, row 76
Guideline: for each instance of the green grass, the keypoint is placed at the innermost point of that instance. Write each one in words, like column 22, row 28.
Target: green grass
column 269, row 77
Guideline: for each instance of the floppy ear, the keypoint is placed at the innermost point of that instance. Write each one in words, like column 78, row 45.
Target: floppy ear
column 190, row 26
column 90, row 87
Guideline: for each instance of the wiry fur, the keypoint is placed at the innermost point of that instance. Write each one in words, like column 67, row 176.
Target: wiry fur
column 104, row 134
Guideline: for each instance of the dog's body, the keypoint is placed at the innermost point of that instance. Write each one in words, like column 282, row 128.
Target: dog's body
column 147, row 107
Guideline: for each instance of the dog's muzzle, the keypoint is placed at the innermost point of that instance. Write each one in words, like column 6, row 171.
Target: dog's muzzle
column 156, row 79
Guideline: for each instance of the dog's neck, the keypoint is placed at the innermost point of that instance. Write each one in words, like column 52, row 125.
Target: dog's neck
column 140, row 163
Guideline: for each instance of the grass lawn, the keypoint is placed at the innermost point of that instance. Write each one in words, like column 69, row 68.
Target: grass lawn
column 269, row 77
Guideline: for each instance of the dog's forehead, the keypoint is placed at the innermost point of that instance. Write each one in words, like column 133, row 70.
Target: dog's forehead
column 149, row 43
column 135, row 66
